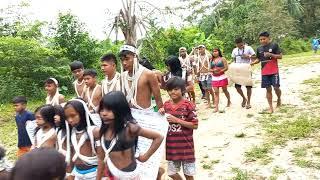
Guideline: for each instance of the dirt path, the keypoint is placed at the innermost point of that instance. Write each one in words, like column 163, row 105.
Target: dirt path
column 218, row 151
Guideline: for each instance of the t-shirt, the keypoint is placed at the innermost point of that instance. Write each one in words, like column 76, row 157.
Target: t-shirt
column 315, row 42
column 237, row 53
column 21, row 119
column 179, row 141
column 269, row 65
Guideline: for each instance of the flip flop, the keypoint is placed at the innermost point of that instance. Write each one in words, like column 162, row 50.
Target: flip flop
column 248, row 106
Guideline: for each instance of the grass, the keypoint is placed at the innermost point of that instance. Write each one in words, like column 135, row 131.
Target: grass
column 299, row 152
column 209, row 165
column 299, row 59
column 259, row 153
column 239, row 174
column 307, row 163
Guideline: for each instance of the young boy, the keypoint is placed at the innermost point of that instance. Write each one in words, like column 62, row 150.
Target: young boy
column 22, row 116
column 268, row 54
column 112, row 77
column 54, row 98
column 77, row 70
column 182, row 118
column 93, row 93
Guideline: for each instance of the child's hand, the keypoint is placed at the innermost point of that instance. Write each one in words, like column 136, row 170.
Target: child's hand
column 172, row 119
column 161, row 111
column 142, row 158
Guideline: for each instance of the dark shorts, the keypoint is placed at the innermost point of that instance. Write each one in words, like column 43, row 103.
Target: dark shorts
column 239, row 86
column 270, row 80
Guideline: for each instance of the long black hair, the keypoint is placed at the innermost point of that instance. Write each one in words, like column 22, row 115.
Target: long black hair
column 60, row 112
column 78, row 106
column 219, row 51
column 175, row 67
column 117, row 103
column 47, row 113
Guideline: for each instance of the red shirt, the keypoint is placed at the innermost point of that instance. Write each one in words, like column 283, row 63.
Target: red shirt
column 269, row 65
column 179, row 141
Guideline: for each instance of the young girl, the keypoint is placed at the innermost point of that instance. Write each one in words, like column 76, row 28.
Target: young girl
column 218, row 67
column 60, row 123
column 84, row 137
column 119, row 134
column 45, row 134
column 53, row 95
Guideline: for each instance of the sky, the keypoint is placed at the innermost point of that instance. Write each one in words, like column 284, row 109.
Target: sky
column 92, row 12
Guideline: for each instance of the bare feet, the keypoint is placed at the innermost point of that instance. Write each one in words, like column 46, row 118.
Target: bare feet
column 244, row 101
column 208, row 106
column 279, row 103
column 248, row 106
column 216, row 110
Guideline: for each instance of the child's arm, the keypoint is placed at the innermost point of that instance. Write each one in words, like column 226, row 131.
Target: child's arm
column 135, row 130
column 61, row 99
column 100, row 153
column 190, row 125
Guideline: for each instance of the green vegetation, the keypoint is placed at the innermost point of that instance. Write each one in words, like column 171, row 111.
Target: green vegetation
column 239, row 174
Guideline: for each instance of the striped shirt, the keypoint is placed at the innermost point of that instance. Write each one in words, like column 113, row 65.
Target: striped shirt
column 179, row 141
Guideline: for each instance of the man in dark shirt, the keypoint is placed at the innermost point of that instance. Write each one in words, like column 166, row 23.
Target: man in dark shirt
column 268, row 54
column 22, row 116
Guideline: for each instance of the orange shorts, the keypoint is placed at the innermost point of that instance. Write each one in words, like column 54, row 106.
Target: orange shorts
column 23, row 150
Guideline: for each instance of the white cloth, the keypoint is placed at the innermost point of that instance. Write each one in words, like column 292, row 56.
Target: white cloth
column 113, row 85
column 60, row 140
column 156, row 122
column 240, row 73
column 90, row 98
column 54, row 100
column 237, row 54
column 75, row 83
column 41, row 137
column 30, row 128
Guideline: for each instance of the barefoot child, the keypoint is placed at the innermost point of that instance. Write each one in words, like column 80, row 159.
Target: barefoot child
column 93, row 92
column 112, row 77
column 179, row 143
column 45, row 134
column 77, row 70
column 81, row 152
column 218, row 67
column 53, row 96
column 119, row 135
column 268, row 54
column 22, row 116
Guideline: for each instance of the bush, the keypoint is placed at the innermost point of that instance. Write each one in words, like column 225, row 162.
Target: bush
column 25, row 65
column 290, row 45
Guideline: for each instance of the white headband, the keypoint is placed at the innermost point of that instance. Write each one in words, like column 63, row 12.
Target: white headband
column 201, row 46
column 182, row 48
column 128, row 48
column 55, row 81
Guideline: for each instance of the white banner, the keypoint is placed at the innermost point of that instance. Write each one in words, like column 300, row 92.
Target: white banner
column 240, row 73
column 156, row 122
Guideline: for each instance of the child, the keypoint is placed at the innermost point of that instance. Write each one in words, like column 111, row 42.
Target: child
column 182, row 119
column 60, row 123
column 22, row 116
column 4, row 167
column 53, row 96
column 174, row 66
column 218, row 67
column 84, row 138
column 45, row 134
column 77, row 70
column 93, row 93
column 40, row 164
column 119, row 134
column 112, row 77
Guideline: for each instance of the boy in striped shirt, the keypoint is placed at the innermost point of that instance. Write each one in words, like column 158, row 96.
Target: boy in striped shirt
column 182, row 118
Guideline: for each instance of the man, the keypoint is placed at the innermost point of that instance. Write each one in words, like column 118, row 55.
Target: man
column 203, row 72
column 243, row 54
column 112, row 77
column 138, row 83
column 77, row 70
column 187, row 72
column 268, row 54
column 315, row 44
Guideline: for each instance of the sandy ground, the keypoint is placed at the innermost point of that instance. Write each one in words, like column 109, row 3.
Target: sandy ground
column 215, row 139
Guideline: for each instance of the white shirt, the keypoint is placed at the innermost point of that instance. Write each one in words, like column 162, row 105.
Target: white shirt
column 237, row 53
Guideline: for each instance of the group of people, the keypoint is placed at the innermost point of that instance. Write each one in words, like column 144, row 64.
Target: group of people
column 96, row 133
